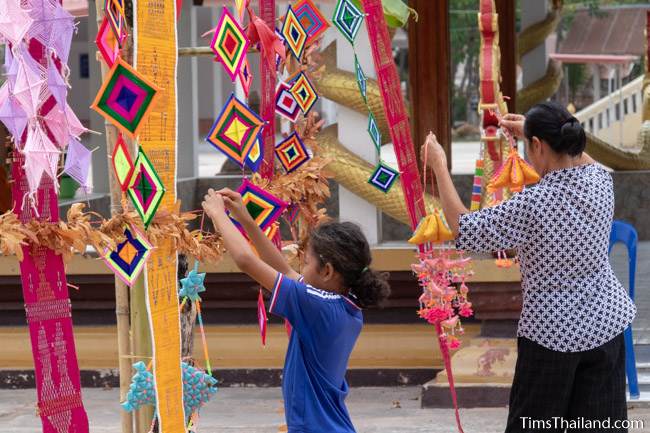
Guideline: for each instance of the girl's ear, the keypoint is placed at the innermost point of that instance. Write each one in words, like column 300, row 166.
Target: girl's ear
column 327, row 272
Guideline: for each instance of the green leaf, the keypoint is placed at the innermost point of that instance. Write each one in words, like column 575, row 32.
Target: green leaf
column 396, row 12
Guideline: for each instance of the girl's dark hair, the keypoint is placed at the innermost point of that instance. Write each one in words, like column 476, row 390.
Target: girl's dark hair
column 552, row 123
column 346, row 248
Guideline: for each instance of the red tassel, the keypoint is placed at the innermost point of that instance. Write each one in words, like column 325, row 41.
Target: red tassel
column 261, row 317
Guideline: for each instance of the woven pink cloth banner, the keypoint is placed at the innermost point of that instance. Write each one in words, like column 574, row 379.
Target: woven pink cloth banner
column 400, row 131
column 47, row 307
column 267, row 105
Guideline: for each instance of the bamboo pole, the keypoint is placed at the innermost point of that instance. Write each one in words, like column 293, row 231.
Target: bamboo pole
column 122, row 307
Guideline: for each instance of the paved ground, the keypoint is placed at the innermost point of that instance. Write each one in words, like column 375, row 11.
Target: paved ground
column 251, row 410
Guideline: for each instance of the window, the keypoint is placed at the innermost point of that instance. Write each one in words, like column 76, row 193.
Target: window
column 600, row 120
column 84, row 66
column 625, row 108
column 617, row 111
column 634, row 103
column 591, row 124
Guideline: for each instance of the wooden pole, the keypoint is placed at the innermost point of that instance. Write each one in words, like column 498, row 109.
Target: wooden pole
column 508, row 44
column 430, row 73
column 122, row 307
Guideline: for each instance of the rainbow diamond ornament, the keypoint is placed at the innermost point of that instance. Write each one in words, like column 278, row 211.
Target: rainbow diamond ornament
column 304, row 93
column 230, row 44
column 292, row 152
column 383, row 177
column 285, row 104
column 311, row 19
column 264, row 207
column 126, row 98
column 114, row 13
column 362, row 81
column 107, row 44
column 130, row 256
column 146, row 189
column 373, row 131
column 255, row 157
column 245, row 77
column 294, row 34
column 236, row 130
column 348, row 19
column 122, row 163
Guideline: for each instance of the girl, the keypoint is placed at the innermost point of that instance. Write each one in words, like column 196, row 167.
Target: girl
column 571, row 352
column 323, row 306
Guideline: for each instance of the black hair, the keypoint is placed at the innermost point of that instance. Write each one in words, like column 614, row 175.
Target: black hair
column 344, row 246
column 552, row 123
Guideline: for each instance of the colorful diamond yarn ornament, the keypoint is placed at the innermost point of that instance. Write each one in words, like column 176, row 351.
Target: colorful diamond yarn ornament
column 264, row 207
column 126, row 98
column 348, row 19
column 245, row 77
column 114, row 13
column 311, row 19
column 107, row 44
column 129, row 258
column 292, row 152
column 255, row 157
column 373, row 131
column 122, row 163
column 285, row 104
column 229, row 43
column 362, row 81
column 304, row 93
column 294, row 34
column 383, row 177
column 236, row 130
column 146, row 190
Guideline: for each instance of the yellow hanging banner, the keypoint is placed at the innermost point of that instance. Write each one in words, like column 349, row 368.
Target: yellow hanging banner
column 156, row 58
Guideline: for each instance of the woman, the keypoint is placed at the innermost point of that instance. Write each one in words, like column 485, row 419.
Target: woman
column 571, row 352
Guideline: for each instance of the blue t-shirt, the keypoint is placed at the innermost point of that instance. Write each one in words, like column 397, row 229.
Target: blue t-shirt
column 325, row 328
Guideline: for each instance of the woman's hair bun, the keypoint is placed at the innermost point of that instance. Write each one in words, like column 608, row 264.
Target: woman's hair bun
column 573, row 139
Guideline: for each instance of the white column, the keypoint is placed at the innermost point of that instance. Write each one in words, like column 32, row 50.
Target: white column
column 99, row 167
column 187, row 96
column 534, row 63
column 353, row 133
column 595, row 71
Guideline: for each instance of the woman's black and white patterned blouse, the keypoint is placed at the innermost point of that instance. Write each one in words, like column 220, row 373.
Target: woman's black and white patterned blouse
column 572, row 301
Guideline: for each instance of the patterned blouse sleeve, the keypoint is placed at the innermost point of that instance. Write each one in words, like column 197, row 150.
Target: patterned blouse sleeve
column 502, row 227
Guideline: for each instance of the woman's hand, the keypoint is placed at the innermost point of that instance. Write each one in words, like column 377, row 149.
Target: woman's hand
column 233, row 202
column 213, row 204
column 433, row 154
column 514, row 123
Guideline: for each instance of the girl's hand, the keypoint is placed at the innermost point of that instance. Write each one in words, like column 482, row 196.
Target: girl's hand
column 436, row 159
column 234, row 204
column 514, row 123
column 213, row 204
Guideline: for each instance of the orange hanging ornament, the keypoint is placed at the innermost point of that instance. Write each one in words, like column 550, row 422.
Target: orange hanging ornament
column 514, row 174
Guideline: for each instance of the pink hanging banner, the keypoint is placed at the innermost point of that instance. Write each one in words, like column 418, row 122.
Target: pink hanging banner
column 48, row 311
column 400, row 132
column 267, row 103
